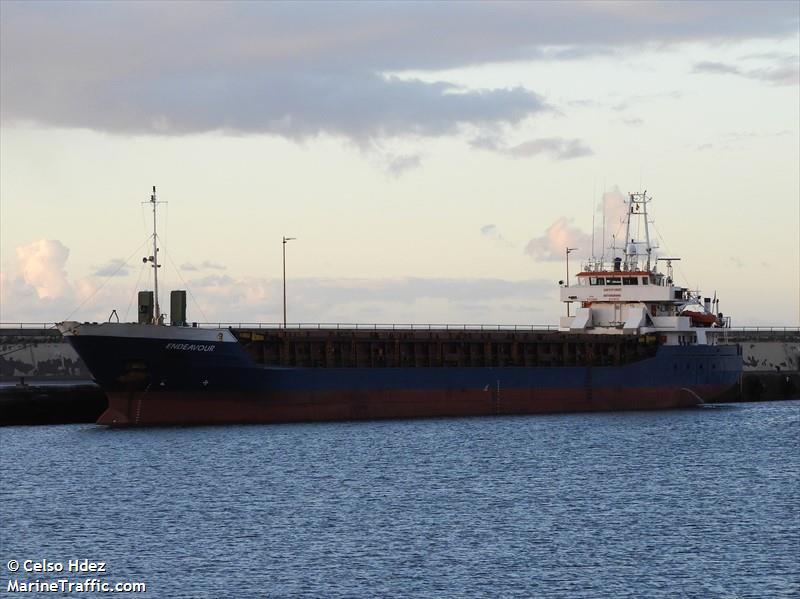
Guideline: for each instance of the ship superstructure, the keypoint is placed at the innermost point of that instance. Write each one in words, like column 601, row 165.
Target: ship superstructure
column 629, row 294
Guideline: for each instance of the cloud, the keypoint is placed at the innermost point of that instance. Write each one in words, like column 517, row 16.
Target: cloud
column 38, row 290
column 637, row 99
column 735, row 261
column 114, row 268
column 41, row 264
column 402, row 300
column 737, row 139
column 552, row 244
column 176, row 68
column 715, row 67
column 555, row 147
column 613, row 208
column 293, row 75
column 399, row 165
column 492, row 232
column 204, row 265
column 20, row 302
column 785, row 72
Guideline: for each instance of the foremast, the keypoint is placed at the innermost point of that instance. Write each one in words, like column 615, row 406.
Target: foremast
column 157, row 317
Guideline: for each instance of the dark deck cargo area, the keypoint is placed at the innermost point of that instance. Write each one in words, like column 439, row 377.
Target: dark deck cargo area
column 359, row 348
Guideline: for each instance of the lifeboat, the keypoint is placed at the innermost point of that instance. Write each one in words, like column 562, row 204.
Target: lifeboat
column 701, row 319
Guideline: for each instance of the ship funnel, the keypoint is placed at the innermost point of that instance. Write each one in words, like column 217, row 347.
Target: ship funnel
column 707, row 304
column 617, row 264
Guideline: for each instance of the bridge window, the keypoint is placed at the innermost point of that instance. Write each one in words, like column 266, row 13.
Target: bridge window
column 630, row 280
column 597, row 281
column 612, row 281
column 644, row 280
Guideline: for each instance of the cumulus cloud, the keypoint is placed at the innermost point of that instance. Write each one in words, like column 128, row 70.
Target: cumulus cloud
column 551, row 245
column 557, row 237
column 37, row 288
column 41, row 264
column 174, row 68
column 555, row 147
column 613, row 209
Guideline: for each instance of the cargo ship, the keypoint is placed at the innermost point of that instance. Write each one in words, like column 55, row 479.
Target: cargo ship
column 637, row 341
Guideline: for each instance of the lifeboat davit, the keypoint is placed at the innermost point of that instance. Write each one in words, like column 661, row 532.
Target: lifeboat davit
column 702, row 319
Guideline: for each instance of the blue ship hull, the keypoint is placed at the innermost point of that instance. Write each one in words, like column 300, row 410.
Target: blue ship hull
column 156, row 381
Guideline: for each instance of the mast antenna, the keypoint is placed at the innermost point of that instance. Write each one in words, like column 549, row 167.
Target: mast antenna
column 626, row 249
column 594, row 210
column 157, row 318
column 603, row 257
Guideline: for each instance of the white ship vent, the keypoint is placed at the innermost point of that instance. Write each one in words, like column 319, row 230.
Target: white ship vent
column 582, row 319
column 635, row 318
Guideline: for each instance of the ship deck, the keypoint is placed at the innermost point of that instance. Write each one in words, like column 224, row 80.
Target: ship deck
column 404, row 348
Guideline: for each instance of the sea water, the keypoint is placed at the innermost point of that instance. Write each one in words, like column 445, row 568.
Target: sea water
column 688, row 503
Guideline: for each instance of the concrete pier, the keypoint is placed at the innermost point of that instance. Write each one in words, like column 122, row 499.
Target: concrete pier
column 771, row 364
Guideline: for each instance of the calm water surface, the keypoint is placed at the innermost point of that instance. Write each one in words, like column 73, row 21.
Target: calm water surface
column 695, row 503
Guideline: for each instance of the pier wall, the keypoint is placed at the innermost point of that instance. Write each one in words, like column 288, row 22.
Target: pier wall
column 771, row 370
column 38, row 354
column 770, row 356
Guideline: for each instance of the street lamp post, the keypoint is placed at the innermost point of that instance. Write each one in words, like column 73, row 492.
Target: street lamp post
column 285, row 239
column 569, row 250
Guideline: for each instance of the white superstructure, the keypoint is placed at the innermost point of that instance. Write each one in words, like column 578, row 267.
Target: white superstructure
column 630, row 295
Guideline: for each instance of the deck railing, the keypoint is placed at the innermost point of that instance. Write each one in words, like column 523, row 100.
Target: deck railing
column 742, row 331
column 329, row 325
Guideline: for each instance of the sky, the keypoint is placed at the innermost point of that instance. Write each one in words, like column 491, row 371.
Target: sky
column 433, row 160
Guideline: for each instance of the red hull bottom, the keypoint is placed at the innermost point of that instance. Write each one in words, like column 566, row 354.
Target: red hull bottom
column 178, row 408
